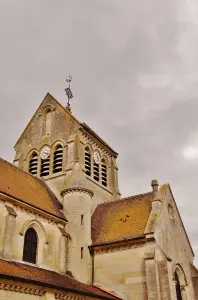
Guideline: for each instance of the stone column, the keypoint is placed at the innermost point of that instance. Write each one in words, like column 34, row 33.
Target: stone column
column 183, row 293
column 9, row 231
column 151, row 279
column 163, row 276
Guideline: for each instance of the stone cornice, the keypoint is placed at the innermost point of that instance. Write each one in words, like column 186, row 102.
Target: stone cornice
column 34, row 209
column 77, row 189
column 68, row 297
column 21, row 289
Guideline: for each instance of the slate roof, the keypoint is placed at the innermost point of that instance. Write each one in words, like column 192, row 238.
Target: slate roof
column 123, row 218
column 45, row 278
column 23, row 186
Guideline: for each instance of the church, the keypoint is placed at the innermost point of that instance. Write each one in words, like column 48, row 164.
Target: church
column 66, row 232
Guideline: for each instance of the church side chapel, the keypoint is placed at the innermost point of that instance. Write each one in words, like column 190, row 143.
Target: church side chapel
column 65, row 230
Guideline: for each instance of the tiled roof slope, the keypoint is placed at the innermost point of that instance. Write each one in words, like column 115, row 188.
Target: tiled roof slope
column 42, row 277
column 123, row 218
column 23, row 186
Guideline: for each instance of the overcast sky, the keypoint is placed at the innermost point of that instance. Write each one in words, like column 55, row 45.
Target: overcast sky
column 135, row 81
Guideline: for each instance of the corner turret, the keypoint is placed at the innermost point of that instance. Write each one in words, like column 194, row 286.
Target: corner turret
column 77, row 202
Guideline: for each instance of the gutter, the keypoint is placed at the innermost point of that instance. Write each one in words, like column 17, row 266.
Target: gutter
column 138, row 237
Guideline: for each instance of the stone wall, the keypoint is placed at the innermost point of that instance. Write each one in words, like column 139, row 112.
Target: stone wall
column 122, row 271
column 49, row 252
column 173, row 244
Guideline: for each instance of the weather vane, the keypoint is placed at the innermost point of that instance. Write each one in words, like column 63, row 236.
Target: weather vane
column 68, row 93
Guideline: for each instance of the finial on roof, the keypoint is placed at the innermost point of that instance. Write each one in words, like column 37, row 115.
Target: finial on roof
column 154, row 184
column 69, row 94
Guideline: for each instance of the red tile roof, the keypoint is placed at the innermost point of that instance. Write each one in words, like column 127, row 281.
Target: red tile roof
column 120, row 219
column 46, row 278
column 27, row 188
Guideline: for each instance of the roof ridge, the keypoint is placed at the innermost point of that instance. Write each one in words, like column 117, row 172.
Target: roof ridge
column 125, row 198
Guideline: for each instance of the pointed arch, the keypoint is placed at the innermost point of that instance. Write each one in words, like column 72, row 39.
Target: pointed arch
column 37, row 226
column 33, row 163
column 58, row 158
column 42, row 241
column 180, row 282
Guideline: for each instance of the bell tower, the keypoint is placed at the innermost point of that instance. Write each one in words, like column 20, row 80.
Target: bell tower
column 54, row 140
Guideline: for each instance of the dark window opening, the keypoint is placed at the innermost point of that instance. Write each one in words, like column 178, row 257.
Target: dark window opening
column 30, row 246
column 178, row 288
column 81, row 252
column 33, row 164
column 87, row 162
column 45, row 166
column 82, row 220
column 104, row 173
column 58, row 159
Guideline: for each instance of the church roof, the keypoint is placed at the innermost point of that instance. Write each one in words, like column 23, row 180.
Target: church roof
column 24, row 187
column 45, row 278
column 120, row 219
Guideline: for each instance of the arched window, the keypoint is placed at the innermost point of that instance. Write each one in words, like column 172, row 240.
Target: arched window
column 33, row 163
column 30, row 246
column 104, row 172
column 87, row 161
column 58, row 159
column 45, row 166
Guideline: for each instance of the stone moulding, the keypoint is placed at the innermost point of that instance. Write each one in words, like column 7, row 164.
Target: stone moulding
column 76, row 189
column 21, row 289
column 67, row 297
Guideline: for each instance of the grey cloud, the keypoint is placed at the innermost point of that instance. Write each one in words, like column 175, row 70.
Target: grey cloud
column 135, row 76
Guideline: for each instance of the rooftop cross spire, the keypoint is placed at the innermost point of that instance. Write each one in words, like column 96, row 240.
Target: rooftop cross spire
column 68, row 93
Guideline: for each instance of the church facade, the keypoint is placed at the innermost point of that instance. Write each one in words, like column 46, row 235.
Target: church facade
column 66, row 232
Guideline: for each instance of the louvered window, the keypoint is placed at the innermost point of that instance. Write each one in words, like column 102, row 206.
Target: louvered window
column 30, row 246
column 96, row 171
column 58, row 159
column 33, row 164
column 45, row 166
column 104, row 172
column 87, row 161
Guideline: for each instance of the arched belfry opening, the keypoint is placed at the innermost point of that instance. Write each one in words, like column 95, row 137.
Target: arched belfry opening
column 180, row 283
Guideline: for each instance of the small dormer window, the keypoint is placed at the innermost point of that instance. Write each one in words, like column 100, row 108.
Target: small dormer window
column 87, row 161
column 104, row 172
column 58, row 159
column 33, row 164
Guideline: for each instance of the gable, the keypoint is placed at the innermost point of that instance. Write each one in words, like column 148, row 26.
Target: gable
column 33, row 134
column 121, row 219
column 26, row 188
column 170, row 232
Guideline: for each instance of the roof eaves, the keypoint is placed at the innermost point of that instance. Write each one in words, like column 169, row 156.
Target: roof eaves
column 63, row 219
column 91, row 132
column 54, row 286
